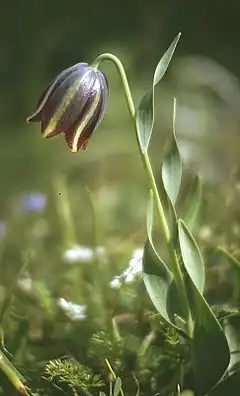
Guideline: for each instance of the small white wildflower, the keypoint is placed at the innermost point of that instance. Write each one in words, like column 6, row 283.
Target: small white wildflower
column 134, row 267
column 129, row 274
column 115, row 282
column 25, row 284
column 135, row 264
column 205, row 232
column 82, row 253
column 73, row 311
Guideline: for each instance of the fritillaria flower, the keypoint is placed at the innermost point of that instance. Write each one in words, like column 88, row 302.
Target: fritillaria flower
column 74, row 103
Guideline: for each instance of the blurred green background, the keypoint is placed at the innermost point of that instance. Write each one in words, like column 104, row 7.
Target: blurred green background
column 38, row 39
column 98, row 197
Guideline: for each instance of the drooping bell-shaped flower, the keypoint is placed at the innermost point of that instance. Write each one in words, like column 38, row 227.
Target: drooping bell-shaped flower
column 74, row 103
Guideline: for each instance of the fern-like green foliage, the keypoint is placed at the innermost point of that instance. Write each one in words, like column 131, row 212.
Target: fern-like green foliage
column 73, row 374
column 103, row 344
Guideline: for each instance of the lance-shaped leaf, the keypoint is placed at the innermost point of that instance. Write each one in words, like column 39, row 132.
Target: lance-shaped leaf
column 172, row 221
column 145, row 112
column 191, row 255
column 158, row 278
column 117, row 386
column 193, row 204
column 231, row 327
column 230, row 386
column 210, row 351
column 172, row 165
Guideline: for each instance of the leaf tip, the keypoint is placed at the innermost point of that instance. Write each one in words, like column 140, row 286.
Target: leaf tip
column 177, row 38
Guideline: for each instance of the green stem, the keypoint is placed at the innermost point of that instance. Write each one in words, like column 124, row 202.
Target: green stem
column 11, row 373
column 148, row 340
column 229, row 256
column 144, row 156
column 178, row 276
column 113, row 375
column 152, row 185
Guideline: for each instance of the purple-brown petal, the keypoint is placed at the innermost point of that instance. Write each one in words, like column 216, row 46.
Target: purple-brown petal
column 88, row 130
column 104, row 96
column 53, row 86
column 76, row 107
column 72, row 111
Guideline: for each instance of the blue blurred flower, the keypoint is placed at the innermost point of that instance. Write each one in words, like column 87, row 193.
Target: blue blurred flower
column 34, row 202
column 74, row 104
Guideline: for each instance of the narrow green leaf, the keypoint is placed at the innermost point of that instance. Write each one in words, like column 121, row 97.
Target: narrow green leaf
column 145, row 120
column 165, row 60
column 157, row 277
column 145, row 112
column 231, row 327
column 193, row 205
column 117, row 386
column 228, row 387
column 210, row 351
column 172, row 165
column 191, row 255
column 172, row 220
